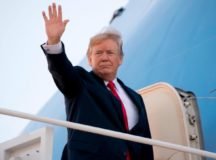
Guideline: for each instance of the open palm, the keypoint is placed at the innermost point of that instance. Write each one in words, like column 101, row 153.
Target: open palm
column 54, row 24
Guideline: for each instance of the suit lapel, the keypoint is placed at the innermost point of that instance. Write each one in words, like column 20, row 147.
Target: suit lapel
column 136, row 100
column 131, row 95
column 111, row 105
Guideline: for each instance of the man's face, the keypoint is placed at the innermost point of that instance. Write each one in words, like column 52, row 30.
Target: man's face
column 105, row 58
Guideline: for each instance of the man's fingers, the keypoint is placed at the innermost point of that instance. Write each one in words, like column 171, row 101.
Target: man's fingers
column 54, row 11
column 45, row 17
column 66, row 22
column 50, row 12
column 55, row 15
column 59, row 12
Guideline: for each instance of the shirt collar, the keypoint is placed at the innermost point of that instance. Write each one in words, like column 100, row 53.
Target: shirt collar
column 114, row 81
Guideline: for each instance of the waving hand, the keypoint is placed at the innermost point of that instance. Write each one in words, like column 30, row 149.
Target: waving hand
column 54, row 24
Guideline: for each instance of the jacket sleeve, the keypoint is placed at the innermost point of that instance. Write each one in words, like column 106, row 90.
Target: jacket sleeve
column 65, row 75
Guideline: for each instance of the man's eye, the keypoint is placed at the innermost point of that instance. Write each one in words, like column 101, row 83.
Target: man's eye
column 110, row 52
column 98, row 52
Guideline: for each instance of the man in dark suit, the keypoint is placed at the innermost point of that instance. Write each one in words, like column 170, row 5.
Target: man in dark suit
column 97, row 98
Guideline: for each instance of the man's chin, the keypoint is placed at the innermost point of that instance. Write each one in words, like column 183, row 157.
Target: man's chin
column 105, row 70
column 105, row 74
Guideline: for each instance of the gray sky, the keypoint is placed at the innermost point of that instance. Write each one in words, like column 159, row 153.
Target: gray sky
column 25, row 83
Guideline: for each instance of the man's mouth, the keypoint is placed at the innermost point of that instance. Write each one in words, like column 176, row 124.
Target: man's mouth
column 105, row 65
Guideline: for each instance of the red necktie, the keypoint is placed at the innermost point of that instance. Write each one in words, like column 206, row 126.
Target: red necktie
column 112, row 88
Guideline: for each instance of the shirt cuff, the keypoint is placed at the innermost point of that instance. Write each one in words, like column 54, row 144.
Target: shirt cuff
column 53, row 49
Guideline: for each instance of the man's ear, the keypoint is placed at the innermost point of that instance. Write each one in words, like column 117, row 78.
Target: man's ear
column 121, row 60
column 89, row 59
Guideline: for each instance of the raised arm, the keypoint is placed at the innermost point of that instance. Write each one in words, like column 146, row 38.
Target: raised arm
column 54, row 24
column 64, row 74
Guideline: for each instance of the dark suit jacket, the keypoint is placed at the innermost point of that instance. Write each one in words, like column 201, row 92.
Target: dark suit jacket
column 88, row 101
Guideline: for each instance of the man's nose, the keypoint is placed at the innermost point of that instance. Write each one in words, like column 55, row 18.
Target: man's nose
column 104, row 55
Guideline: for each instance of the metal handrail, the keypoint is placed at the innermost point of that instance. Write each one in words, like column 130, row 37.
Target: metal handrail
column 106, row 132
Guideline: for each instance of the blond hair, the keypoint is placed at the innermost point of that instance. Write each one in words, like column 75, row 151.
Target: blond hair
column 106, row 33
